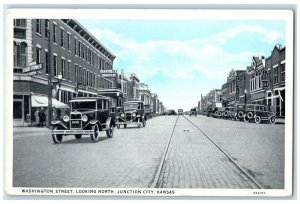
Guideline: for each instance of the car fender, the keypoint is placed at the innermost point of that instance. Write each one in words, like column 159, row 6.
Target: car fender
column 58, row 123
column 107, row 124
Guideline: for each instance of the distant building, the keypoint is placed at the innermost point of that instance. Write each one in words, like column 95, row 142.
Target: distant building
column 233, row 87
column 144, row 94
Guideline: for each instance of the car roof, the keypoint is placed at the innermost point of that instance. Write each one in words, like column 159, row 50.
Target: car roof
column 89, row 98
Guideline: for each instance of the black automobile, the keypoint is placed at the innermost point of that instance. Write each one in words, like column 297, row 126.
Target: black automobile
column 193, row 111
column 134, row 113
column 148, row 111
column 88, row 116
column 172, row 112
column 258, row 113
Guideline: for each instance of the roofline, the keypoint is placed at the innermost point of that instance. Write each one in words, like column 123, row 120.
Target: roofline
column 92, row 36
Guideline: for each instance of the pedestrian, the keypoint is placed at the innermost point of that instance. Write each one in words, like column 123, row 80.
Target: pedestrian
column 37, row 117
column 42, row 117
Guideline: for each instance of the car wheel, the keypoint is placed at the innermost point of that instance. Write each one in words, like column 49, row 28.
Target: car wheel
column 125, row 126
column 57, row 138
column 272, row 120
column 250, row 115
column 257, row 119
column 78, row 137
column 118, row 126
column 95, row 134
column 246, row 119
column 240, row 114
column 110, row 131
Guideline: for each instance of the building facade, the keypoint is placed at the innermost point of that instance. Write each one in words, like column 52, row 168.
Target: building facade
column 233, row 88
column 60, row 52
column 144, row 94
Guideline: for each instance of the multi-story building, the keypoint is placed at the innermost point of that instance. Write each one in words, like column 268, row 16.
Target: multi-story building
column 224, row 95
column 214, row 98
column 132, row 86
column 154, row 102
column 233, row 87
column 144, row 94
column 61, row 51
column 275, row 78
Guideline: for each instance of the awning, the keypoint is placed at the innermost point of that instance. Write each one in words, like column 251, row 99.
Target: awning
column 42, row 101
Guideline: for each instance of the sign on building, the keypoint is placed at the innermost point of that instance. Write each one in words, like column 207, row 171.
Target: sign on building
column 265, row 83
column 32, row 68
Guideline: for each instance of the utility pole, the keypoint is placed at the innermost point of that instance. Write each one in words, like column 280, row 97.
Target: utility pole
column 50, row 78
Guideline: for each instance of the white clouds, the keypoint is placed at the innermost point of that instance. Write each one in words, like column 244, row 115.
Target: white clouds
column 184, row 59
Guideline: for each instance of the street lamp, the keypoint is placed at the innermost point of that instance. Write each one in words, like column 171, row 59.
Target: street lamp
column 50, row 95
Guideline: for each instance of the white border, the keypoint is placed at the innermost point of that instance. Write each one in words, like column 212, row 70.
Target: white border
column 187, row 14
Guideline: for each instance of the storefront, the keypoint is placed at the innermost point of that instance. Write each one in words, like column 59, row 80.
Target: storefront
column 276, row 99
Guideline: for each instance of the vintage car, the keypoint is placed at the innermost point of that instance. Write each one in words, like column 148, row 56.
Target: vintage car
column 239, row 112
column 231, row 113
column 193, row 111
column 148, row 111
column 180, row 112
column 88, row 116
column 134, row 113
column 171, row 112
column 258, row 113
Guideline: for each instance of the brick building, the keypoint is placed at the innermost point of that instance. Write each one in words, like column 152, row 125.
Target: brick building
column 233, row 87
column 60, row 51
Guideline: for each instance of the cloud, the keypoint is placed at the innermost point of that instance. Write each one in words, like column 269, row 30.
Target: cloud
column 182, row 59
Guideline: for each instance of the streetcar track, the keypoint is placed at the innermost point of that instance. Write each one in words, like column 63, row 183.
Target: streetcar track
column 231, row 159
column 159, row 172
column 155, row 183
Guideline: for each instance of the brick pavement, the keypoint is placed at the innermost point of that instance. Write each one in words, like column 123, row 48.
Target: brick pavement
column 194, row 162
column 129, row 159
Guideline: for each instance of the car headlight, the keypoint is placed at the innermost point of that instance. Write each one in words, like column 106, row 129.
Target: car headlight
column 133, row 114
column 84, row 118
column 122, row 115
column 66, row 118
column 138, row 115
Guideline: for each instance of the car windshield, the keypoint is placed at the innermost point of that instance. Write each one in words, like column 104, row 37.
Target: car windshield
column 131, row 106
column 83, row 105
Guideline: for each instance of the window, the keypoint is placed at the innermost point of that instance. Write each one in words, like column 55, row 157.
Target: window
column 20, row 22
column 69, row 42
column 275, row 74
column 75, row 47
column 69, row 70
column 54, row 32
column 20, row 59
column 76, row 73
column 79, row 49
column 83, row 51
column 47, row 31
column 38, row 55
column 63, row 67
column 283, row 72
column 55, row 65
column 47, row 62
column 90, row 56
column 80, row 76
column 38, row 26
column 62, row 33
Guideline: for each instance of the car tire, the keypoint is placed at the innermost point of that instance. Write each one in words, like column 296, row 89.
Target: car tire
column 110, row 131
column 78, row 137
column 95, row 135
column 246, row 119
column 57, row 138
column 272, row 120
column 125, row 126
column 250, row 115
column 240, row 114
column 257, row 119
column 118, row 126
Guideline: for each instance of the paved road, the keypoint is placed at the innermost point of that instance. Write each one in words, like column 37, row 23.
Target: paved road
column 131, row 158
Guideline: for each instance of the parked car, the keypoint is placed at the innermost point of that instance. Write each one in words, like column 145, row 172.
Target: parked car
column 258, row 113
column 88, row 116
column 134, row 113
column 180, row 112
column 193, row 111
column 148, row 111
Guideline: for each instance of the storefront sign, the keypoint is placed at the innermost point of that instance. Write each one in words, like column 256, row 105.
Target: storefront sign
column 109, row 75
column 32, row 68
column 265, row 83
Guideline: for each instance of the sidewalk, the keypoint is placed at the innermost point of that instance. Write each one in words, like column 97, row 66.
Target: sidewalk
column 26, row 129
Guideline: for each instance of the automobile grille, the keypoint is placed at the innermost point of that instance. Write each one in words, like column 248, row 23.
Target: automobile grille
column 75, row 121
column 128, row 116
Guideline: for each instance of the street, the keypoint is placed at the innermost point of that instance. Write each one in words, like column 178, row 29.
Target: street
column 132, row 158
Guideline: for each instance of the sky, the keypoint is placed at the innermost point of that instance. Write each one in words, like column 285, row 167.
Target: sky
column 182, row 59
